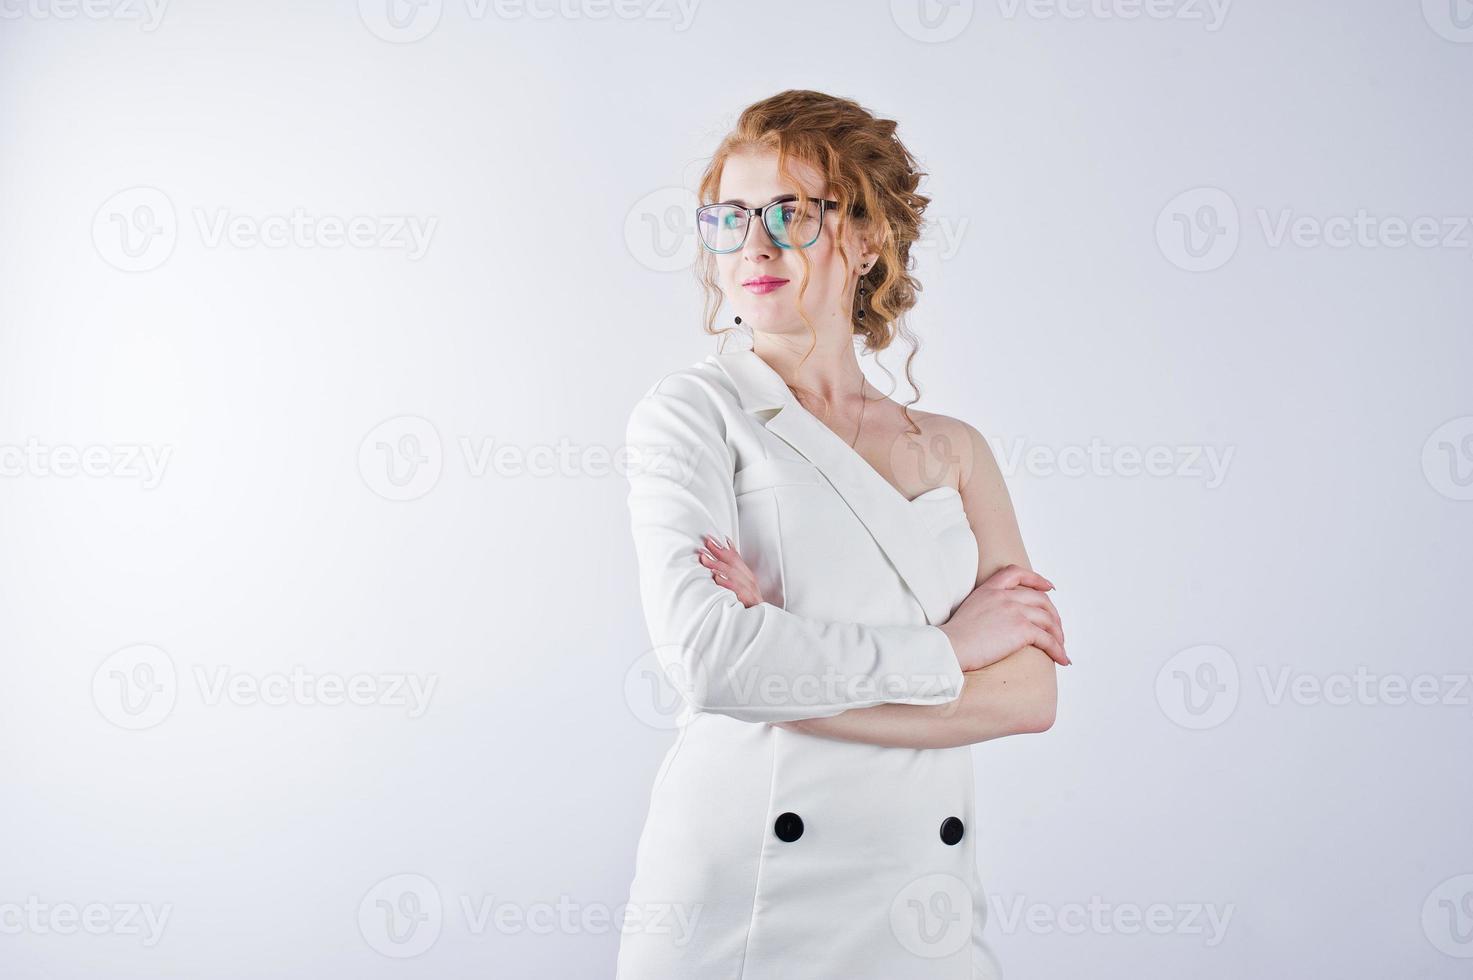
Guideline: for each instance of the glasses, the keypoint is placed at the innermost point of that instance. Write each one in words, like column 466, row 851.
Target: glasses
column 788, row 223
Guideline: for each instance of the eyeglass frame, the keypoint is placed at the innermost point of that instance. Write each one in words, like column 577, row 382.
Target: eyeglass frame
column 761, row 215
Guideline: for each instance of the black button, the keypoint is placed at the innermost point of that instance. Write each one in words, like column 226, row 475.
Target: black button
column 951, row 830
column 789, row 826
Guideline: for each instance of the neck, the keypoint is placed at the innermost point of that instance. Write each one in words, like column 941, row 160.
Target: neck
column 830, row 371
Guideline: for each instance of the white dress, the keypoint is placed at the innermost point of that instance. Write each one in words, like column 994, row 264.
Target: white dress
column 769, row 854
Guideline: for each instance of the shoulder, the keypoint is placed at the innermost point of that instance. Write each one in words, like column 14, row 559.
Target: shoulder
column 700, row 383
column 685, row 405
column 955, row 443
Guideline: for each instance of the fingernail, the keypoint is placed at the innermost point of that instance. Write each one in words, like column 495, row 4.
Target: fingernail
column 729, row 544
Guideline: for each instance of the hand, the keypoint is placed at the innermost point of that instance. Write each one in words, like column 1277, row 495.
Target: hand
column 1007, row 612
column 729, row 571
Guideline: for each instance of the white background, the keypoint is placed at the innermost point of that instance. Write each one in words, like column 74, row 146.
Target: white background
column 547, row 152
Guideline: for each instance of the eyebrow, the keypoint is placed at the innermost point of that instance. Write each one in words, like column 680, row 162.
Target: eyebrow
column 743, row 204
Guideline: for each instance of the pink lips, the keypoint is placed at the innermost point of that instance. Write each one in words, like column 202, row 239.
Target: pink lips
column 763, row 285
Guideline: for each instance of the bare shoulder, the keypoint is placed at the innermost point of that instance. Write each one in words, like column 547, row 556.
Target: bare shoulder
column 957, row 449
column 984, row 492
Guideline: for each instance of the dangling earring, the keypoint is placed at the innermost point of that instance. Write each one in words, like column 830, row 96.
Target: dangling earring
column 862, row 274
column 739, row 321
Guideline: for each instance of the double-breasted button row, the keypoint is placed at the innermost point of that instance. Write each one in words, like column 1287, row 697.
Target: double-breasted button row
column 789, row 827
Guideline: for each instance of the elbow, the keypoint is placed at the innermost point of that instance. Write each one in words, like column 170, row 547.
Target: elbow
column 1043, row 716
column 1044, row 699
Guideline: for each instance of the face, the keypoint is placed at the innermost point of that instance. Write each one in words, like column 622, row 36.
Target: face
column 752, row 179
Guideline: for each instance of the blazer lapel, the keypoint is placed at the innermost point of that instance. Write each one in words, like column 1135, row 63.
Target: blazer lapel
column 891, row 519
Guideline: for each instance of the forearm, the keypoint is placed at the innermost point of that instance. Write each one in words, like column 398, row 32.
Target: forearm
column 1016, row 695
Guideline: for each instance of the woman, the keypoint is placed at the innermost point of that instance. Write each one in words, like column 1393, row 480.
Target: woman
column 842, row 618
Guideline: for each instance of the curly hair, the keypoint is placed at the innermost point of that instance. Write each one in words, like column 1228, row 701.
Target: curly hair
column 869, row 172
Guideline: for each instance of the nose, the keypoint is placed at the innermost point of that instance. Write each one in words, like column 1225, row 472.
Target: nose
column 758, row 247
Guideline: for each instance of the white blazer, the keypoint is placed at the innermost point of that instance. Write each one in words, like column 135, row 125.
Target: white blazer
column 770, row 854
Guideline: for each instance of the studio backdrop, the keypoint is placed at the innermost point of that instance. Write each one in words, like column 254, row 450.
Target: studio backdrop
column 321, row 651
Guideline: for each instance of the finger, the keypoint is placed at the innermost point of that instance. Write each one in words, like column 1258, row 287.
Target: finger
column 1041, row 618
column 735, row 569
column 1010, row 576
column 712, row 562
column 1039, row 600
column 1050, row 646
column 719, row 546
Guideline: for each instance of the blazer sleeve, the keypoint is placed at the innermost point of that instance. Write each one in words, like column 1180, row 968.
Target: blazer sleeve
column 762, row 664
